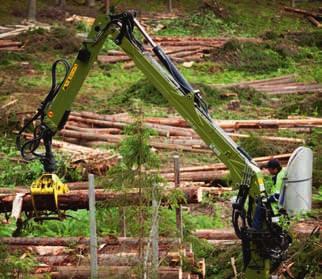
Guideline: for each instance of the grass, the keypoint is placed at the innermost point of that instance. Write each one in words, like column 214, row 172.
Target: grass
column 21, row 174
column 240, row 20
column 204, row 24
column 269, row 16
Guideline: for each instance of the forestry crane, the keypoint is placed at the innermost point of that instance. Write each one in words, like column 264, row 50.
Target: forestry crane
column 262, row 250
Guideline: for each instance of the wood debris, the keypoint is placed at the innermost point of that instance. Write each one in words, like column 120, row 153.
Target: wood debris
column 94, row 160
column 179, row 49
column 314, row 17
column 14, row 30
column 277, row 86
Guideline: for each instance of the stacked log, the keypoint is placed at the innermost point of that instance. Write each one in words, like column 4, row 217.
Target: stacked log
column 14, row 30
column 62, row 257
column 145, row 17
column 213, row 172
column 10, row 45
column 277, row 86
column 90, row 129
column 84, row 272
column 180, row 49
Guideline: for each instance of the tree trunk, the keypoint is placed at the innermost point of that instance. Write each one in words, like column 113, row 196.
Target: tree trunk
column 293, row 3
column 107, row 6
column 122, row 217
column 61, row 3
column 170, row 6
column 32, row 10
column 91, row 3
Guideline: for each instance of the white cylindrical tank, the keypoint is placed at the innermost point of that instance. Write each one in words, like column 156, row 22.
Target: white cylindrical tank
column 296, row 195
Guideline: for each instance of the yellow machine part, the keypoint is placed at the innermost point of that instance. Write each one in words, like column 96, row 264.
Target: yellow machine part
column 48, row 184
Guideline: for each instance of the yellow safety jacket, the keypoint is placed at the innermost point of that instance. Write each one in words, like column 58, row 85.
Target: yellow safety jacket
column 276, row 189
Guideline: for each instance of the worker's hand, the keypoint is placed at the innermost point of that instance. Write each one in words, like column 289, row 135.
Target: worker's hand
column 274, row 198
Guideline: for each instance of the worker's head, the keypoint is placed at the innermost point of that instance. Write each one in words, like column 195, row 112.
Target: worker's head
column 273, row 166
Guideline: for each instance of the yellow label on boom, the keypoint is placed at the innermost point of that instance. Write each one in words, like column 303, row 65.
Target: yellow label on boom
column 70, row 76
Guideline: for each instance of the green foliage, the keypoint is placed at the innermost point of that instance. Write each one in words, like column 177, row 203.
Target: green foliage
column 76, row 224
column 250, row 57
column 318, row 196
column 199, row 24
column 210, row 94
column 142, row 90
column 58, row 38
column 135, row 150
column 130, row 173
column 18, row 174
column 307, row 256
column 7, row 227
column 309, row 39
column 14, row 174
column 13, row 266
column 310, row 105
column 269, row 17
column 257, row 147
column 82, row 27
column 9, row 58
column 197, row 221
column 218, row 263
column 136, row 156
column 250, row 96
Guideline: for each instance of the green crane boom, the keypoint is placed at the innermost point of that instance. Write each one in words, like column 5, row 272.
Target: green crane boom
column 260, row 249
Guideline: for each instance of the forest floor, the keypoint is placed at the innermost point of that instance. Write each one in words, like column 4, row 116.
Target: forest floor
column 289, row 45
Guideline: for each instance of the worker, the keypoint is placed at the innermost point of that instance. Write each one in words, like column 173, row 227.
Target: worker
column 278, row 174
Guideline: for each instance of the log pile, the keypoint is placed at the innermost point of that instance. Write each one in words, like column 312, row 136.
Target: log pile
column 180, row 49
column 277, row 86
column 117, row 256
column 15, row 30
column 227, row 236
column 144, row 17
column 314, row 17
column 10, row 45
column 213, row 173
column 93, row 160
column 91, row 129
column 78, row 199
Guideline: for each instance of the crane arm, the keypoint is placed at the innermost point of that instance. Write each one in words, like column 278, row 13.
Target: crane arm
column 164, row 75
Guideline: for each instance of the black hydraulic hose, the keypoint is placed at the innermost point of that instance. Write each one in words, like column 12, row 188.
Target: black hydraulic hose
column 30, row 146
column 54, row 86
column 168, row 64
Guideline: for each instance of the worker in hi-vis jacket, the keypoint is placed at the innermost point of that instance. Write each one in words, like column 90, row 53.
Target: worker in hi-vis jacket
column 278, row 174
